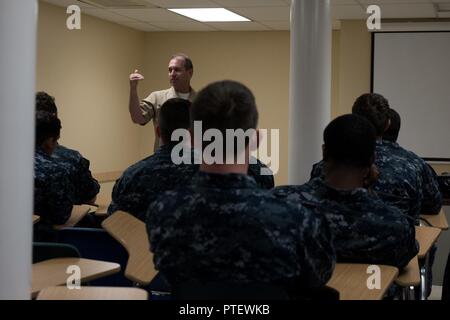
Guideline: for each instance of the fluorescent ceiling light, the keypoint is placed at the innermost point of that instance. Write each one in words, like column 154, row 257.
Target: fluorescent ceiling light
column 210, row 14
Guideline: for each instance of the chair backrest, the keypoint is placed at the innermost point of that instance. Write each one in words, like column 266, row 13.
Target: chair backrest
column 446, row 283
column 131, row 233
column 97, row 244
column 194, row 290
column 48, row 250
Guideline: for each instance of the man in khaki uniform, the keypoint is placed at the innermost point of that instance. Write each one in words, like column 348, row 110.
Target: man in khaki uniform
column 181, row 70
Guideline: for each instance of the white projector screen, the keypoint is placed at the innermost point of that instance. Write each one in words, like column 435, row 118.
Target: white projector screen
column 412, row 70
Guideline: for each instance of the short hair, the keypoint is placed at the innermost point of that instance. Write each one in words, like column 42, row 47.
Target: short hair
column 45, row 102
column 392, row 132
column 47, row 126
column 188, row 65
column 225, row 105
column 173, row 115
column 374, row 107
column 350, row 140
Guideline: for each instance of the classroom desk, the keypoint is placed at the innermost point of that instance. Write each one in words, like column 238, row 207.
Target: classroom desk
column 52, row 272
column 409, row 275
column 436, row 220
column 426, row 236
column 102, row 204
column 36, row 218
column 78, row 213
column 350, row 279
column 110, row 176
column 92, row 293
column 132, row 234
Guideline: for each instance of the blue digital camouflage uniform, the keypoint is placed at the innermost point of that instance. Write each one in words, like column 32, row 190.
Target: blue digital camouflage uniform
column 263, row 181
column 141, row 183
column 85, row 186
column 365, row 229
column 53, row 193
column 399, row 182
column 223, row 228
column 432, row 198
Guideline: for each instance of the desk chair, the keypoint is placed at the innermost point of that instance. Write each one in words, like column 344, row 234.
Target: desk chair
column 426, row 237
column 49, row 250
column 78, row 213
column 97, row 244
column 110, row 176
column 52, row 272
column 408, row 279
column 350, row 280
column 100, row 209
column 446, row 284
column 92, row 293
column 131, row 233
column 437, row 221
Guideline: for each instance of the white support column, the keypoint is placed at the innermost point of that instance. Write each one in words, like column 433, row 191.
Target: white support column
column 18, row 25
column 310, row 85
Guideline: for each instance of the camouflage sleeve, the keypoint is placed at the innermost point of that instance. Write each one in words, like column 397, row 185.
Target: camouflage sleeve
column 317, row 170
column 263, row 181
column 317, row 251
column 406, row 247
column 86, row 187
column 432, row 197
column 55, row 198
column 126, row 197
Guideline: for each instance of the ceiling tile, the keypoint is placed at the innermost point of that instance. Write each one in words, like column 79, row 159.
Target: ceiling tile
column 348, row 12
column 369, row 2
column 264, row 13
column 390, row 11
column 150, row 15
column 142, row 26
column 238, row 26
column 340, row 2
column 184, row 26
column 105, row 14
column 251, row 3
column 66, row 3
column 277, row 25
column 183, row 3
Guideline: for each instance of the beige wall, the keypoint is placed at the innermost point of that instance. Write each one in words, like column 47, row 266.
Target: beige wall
column 354, row 64
column 87, row 72
column 260, row 60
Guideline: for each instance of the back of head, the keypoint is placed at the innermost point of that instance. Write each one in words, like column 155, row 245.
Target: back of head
column 375, row 108
column 47, row 126
column 225, row 105
column 392, row 132
column 45, row 102
column 350, row 141
column 173, row 115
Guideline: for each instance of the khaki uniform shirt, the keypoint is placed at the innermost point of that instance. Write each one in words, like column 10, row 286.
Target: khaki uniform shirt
column 150, row 106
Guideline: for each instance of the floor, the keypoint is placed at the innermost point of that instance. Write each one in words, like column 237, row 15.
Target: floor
column 436, row 293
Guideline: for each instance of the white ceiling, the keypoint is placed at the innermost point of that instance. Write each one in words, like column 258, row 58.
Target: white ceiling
column 151, row 15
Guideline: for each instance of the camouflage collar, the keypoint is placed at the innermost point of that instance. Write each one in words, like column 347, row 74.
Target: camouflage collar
column 333, row 191
column 224, row 181
column 42, row 153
